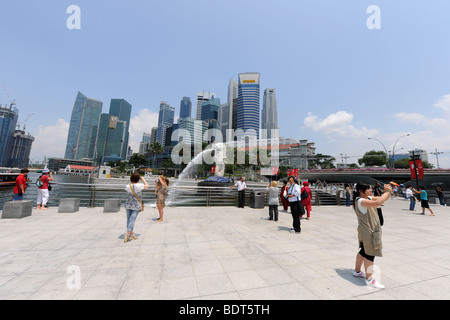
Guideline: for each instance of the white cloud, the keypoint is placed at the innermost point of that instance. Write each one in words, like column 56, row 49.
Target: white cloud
column 444, row 103
column 337, row 124
column 143, row 122
column 50, row 141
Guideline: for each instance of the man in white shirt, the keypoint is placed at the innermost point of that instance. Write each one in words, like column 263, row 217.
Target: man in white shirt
column 294, row 194
column 241, row 186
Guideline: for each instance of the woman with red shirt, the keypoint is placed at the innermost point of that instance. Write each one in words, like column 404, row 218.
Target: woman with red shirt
column 307, row 201
column 43, row 195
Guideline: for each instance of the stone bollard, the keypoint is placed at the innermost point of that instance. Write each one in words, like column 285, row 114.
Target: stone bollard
column 17, row 209
column 69, row 205
column 112, row 205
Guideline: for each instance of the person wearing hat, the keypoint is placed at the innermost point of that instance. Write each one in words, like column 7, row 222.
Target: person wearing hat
column 21, row 185
column 43, row 195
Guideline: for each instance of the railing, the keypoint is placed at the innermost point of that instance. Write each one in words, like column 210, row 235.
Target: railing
column 94, row 195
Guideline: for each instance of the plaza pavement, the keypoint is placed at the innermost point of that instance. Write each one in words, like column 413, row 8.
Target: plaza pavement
column 223, row 253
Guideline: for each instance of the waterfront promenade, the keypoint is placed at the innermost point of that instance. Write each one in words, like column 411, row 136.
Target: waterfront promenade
column 223, row 253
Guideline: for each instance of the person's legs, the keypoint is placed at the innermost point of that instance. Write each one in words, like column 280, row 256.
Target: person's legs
column 275, row 208
column 131, row 220
column 39, row 199
column 45, row 197
column 271, row 212
column 161, row 212
column 412, row 203
column 295, row 209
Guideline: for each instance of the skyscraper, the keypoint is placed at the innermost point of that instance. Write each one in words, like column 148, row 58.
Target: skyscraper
column 8, row 121
column 185, row 107
column 269, row 113
column 202, row 97
column 227, row 113
column 165, row 120
column 248, row 109
column 122, row 109
column 110, row 138
column 20, row 150
column 83, row 128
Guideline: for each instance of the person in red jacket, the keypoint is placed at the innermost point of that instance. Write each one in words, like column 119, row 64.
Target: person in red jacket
column 284, row 201
column 307, row 202
column 21, row 185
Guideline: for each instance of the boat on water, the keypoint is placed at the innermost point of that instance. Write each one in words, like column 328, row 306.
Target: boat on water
column 8, row 179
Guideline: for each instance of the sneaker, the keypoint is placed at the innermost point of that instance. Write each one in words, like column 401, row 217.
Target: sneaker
column 374, row 284
column 293, row 231
column 359, row 274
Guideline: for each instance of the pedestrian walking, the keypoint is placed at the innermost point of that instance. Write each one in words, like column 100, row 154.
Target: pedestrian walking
column 21, row 185
column 369, row 230
column 423, row 199
column 272, row 193
column 43, row 194
column 134, row 204
column 284, row 199
column 306, row 202
column 348, row 195
column 409, row 195
column 162, row 183
column 241, row 186
column 294, row 194
column 440, row 194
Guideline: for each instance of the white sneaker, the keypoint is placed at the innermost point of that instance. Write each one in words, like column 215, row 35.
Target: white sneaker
column 359, row 274
column 374, row 284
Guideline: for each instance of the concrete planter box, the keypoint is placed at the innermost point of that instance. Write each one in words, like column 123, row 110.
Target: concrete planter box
column 69, row 205
column 112, row 205
column 17, row 209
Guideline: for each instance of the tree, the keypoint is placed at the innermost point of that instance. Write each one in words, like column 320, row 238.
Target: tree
column 373, row 158
column 324, row 161
column 137, row 160
column 404, row 164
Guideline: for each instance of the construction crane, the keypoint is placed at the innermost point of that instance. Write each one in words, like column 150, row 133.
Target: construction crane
column 24, row 123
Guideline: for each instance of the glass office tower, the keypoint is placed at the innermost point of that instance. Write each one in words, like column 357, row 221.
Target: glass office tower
column 248, row 109
column 110, row 138
column 122, row 109
column 269, row 114
column 83, row 128
column 8, row 122
column 185, row 107
column 165, row 120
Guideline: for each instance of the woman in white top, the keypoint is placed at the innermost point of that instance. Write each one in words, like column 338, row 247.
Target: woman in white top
column 134, row 204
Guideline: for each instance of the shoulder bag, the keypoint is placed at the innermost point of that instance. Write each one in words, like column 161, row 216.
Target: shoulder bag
column 142, row 205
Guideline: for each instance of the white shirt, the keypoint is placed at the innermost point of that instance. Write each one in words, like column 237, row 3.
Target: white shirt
column 409, row 193
column 296, row 190
column 362, row 209
column 240, row 185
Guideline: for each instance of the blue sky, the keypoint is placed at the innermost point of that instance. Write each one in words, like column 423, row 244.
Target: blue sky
column 337, row 82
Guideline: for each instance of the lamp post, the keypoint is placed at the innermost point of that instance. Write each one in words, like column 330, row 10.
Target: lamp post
column 387, row 159
column 393, row 149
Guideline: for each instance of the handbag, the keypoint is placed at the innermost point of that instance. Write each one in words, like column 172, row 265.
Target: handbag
column 49, row 187
column 380, row 215
column 142, row 205
column 304, row 194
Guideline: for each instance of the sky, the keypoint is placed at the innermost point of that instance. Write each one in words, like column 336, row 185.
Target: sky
column 338, row 81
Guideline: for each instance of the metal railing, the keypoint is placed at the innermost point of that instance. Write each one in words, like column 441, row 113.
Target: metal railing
column 94, row 195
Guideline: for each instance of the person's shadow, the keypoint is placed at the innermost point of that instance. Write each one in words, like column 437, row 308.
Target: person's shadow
column 347, row 274
column 282, row 228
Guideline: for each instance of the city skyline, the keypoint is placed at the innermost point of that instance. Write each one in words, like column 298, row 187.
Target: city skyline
column 338, row 82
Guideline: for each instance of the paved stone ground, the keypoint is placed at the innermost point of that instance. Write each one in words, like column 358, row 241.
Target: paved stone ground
column 221, row 253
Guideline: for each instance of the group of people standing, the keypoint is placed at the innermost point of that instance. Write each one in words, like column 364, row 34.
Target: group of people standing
column 42, row 184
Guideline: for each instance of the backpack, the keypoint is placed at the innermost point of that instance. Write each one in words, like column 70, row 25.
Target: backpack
column 39, row 182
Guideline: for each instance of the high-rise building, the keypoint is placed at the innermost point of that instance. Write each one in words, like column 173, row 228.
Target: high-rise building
column 144, row 146
column 20, row 150
column 153, row 135
column 202, row 97
column 8, row 121
column 269, row 113
column 165, row 120
column 248, row 109
column 122, row 109
column 196, row 129
column 83, row 128
column 228, row 111
column 110, row 138
column 185, row 107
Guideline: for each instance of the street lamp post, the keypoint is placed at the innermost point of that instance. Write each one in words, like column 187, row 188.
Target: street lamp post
column 393, row 149
column 387, row 159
